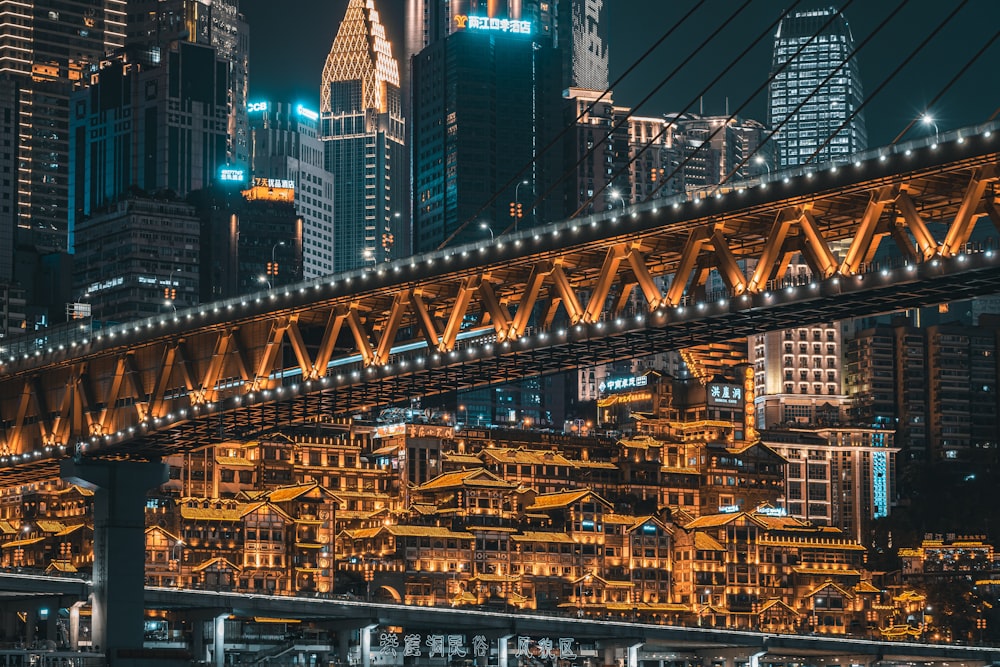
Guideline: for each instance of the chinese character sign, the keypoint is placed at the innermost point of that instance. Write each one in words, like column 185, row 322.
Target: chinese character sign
column 412, row 645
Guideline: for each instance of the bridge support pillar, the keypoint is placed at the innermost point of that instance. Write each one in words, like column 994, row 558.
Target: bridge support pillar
column 219, row 640
column 119, row 549
column 632, row 657
column 366, row 645
column 74, row 625
column 30, row 625
column 503, row 655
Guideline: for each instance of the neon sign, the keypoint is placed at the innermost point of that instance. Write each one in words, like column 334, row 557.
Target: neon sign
column 307, row 113
column 256, row 106
column 230, row 174
column 624, row 383
column 273, row 183
column 492, row 24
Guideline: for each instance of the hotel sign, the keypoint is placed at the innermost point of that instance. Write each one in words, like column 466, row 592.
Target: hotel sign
column 492, row 24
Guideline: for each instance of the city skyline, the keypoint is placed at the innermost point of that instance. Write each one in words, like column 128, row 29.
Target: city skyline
column 277, row 72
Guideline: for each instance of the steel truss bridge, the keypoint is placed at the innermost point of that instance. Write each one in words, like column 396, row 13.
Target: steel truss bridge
column 570, row 294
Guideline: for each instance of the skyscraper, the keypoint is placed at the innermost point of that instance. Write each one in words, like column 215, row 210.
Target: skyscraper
column 154, row 25
column 285, row 145
column 364, row 132
column 816, row 94
column 799, row 373
column 578, row 28
column 52, row 49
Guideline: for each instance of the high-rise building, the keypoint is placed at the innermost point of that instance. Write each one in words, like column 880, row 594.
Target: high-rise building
column 155, row 25
column 51, row 47
column 816, row 93
column 578, row 28
column 176, row 138
column 841, row 476
column 285, row 145
column 364, row 134
column 814, row 96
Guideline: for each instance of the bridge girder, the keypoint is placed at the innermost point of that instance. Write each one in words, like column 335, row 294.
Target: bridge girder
column 235, row 360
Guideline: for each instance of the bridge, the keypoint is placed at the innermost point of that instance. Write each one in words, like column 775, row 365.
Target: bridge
column 574, row 293
column 101, row 408
column 358, row 628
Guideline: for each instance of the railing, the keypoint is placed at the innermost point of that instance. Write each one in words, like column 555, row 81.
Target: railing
column 44, row 658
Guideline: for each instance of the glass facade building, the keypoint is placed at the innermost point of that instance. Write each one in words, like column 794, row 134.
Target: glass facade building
column 815, row 93
column 364, row 136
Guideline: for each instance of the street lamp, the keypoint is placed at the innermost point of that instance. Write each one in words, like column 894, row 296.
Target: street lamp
column 486, row 226
column 928, row 119
column 264, row 280
column 176, row 558
column 369, row 254
column 464, row 419
column 760, row 160
column 517, row 201
column 454, row 578
column 616, row 194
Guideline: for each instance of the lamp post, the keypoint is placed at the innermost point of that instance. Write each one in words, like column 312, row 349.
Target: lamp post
column 517, row 202
column 272, row 268
column 454, row 578
column 928, row 120
column 486, row 226
column 617, row 194
column 760, row 160
column 369, row 255
column 264, row 280
column 177, row 559
column 464, row 418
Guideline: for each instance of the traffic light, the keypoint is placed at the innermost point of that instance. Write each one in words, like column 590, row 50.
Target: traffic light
column 981, row 623
column 272, row 268
column 520, row 210
column 169, row 293
column 513, row 209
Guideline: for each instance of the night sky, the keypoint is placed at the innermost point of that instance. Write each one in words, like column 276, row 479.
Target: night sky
column 289, row 42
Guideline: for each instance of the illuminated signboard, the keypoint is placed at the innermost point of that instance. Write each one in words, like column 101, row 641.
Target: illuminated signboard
column 272, row 189
column 256, row 106
column 729, row 509
column 492, row 24
column 725, row 394
column 232, row 175
column 772, row 511
column 307, row 113
column 619, row 384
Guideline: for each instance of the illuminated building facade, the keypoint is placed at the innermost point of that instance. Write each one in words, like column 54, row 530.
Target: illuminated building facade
column 250, row 240
column 136, row 258
column 838, row 476
column 285, row 145
column 176, row 140
column 807, row 108
column 54, row 50
column 364, row 134
column 154, row 25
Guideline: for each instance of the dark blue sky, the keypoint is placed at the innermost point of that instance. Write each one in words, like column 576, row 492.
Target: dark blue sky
column 289, row 42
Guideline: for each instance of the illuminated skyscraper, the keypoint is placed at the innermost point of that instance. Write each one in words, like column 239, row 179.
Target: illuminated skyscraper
column 799, row 372
column 155, row 24
column 286, row 146
column 578, row 28
column 827, row 105
column 363, row 129
column 53, row 47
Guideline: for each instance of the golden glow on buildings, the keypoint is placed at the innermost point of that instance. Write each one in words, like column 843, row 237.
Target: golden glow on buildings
column 361, row 52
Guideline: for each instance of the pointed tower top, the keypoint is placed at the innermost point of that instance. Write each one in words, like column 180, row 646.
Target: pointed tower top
column 361, row 51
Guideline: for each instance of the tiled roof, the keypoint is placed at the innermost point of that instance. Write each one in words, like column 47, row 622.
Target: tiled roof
column 47, row 526
column 221, row 561
column 562, row 499
column 478, row 477
column 705, row 542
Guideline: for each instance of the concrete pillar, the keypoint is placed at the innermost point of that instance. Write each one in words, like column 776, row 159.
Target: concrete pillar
column 219, row 641
column 30, row 621
column 366, row 645
column 503, row 657
column 119, row 546
column 198, row 646
column 343, row 645
column 74, row 625
column 632, row 659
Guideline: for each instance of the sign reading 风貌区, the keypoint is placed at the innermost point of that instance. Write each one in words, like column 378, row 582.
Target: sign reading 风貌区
column 415, row 645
